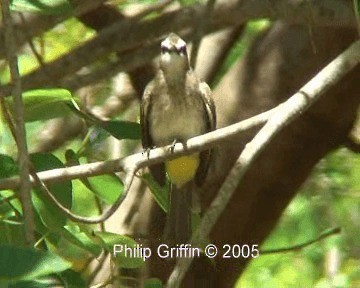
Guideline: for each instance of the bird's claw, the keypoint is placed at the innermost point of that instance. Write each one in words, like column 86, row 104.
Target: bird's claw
column 172, row 147
column 147, row 151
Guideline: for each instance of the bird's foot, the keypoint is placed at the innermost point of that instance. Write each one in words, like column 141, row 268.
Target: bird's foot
column 172, row 147
column 147, row 151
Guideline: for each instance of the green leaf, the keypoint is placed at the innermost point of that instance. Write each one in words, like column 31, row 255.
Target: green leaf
column 84, row 202
column 109, row 240
column 27, row 264
column 47, row 7
column 72, row 279
column 44, row 104
column 38, row 283
column 75, row 236
column 153, row 283
column 161, row 194
column 122, row 129
column 118, row 128
column 50, row 214
column 107, row 187
column 8, row 166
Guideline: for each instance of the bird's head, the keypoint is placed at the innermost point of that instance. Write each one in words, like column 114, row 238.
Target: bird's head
column 174, row 60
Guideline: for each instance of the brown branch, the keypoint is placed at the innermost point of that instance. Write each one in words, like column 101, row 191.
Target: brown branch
column 330, row 232
column 38, row 24
column 357, row 14
column 139, row 160
column 37, row 55
column 124, row 36
column 114, row 38
column 127, row 62
column 201, row 30
column 20, row 133
column 213, row 51
column 352, row 144
column 130, row 165
column 286, row 112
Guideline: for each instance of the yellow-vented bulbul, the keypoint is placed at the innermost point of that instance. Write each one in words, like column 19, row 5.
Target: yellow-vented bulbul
column 177, row 106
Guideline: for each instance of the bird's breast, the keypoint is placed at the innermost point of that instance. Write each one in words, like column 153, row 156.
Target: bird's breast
column 178, row 120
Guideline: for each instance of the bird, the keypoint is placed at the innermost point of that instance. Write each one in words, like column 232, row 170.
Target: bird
column 176, row 105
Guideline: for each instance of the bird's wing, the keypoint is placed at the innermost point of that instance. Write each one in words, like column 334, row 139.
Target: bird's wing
column 206, row 156
column 157, row 170
column 209, row 105
column 145, row 108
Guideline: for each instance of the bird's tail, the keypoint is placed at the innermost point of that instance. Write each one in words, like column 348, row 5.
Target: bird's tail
column 178, row 223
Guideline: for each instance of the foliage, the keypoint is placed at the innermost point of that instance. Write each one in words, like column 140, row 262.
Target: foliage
column 46, row 7
column 69, row 245
column 64, row 248
column 330, row 198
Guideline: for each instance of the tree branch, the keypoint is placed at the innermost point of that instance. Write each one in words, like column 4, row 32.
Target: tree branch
column 285, row 113
column 352, row 144
column 35, row 25
column 130, row 165
column 330, row 232
column 138, row 160
column 201, row 30
column 226, row 13
column 20, row 133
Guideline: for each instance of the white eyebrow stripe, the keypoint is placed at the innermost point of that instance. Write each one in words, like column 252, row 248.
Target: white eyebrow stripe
column 180, row 44
column 173, row 43
column 166, row 43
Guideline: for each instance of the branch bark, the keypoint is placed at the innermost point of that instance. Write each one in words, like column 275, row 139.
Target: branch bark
column 20, row 133
column 125, row 35
column 287, row 111
column 137, row 161
column 35, row 25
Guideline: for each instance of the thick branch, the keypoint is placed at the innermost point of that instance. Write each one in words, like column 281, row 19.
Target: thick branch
column 131, row 164
column 140, row 160
column 127, row 35
column 286, row 112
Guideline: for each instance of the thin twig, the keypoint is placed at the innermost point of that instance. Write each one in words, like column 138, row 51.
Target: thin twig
column 37, row 24
column 38, row 57
column 330, row 232
column 287, row 111
column 130, row 165
column 23, row 156
column 140, row 160
column 153, row 7
column 134, row 162
column 225, row 14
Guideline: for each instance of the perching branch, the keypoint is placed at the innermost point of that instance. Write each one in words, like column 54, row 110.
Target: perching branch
column 20, row 133
column 131, row 164
column 284, row 114
column 140, row 160
column 330, row 232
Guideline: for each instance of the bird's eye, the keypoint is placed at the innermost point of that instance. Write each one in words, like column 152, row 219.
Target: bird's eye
column 182, row 50
column 165, row 49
